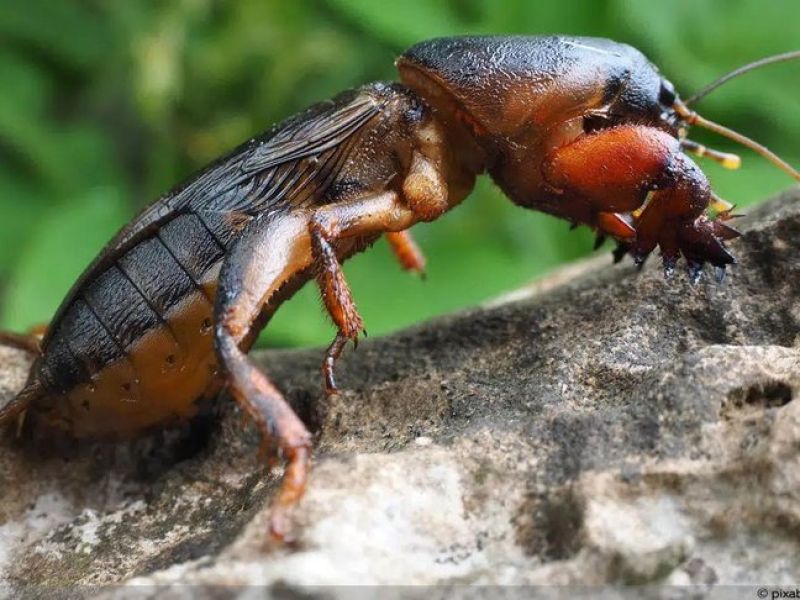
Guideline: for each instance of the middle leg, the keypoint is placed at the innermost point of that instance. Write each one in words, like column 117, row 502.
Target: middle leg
column 424, row 197
column 363, row 217
column 338, row 300
column 407, row 251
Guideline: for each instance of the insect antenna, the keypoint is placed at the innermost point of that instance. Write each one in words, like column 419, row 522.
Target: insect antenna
column 731, row 161
column 769, row 60
column 692, row 118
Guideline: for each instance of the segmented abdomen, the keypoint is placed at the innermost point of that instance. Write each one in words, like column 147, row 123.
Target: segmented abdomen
column 135, row 345
column 132, row 346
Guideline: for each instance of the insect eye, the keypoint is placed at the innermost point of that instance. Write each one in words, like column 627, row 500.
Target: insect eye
column 666, row 95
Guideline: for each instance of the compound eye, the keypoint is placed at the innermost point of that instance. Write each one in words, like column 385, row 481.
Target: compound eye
column 666, row 95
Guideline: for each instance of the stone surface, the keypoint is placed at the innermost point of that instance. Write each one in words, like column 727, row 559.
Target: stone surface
column 601, row 427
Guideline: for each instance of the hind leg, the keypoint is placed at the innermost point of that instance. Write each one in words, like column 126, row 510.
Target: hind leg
column 28, row 342
column 252, row 273
column 277, row 423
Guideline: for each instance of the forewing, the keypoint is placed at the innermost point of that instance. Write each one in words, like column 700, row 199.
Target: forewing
column 261, row 172
column 269, row 171
column 256, row 176
column 312, row 136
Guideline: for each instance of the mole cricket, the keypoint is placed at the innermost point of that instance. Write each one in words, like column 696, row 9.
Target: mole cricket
column 582, row 128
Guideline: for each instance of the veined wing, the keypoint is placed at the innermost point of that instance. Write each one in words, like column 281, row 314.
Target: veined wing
column 261, row 174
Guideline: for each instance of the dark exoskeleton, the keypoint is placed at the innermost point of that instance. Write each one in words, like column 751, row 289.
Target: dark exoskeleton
column 585, row 129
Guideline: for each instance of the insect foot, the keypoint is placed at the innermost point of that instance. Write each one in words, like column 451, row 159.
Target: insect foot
column 699, row 241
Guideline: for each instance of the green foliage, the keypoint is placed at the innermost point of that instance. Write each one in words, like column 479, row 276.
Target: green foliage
column 106, row 105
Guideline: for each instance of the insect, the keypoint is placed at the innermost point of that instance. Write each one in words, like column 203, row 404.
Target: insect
column 581, row 128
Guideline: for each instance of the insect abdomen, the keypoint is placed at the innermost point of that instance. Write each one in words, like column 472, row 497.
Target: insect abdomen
column 134, row 348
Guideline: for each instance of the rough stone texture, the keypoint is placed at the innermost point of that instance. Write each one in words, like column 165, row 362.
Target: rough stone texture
column 610, row 428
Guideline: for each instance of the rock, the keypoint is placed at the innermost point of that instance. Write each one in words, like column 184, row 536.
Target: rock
column 613, row 428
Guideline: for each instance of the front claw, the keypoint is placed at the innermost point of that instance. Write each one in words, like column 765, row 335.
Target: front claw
column 699, row 240
column 621, row 251
column 695, row 270
column 675, row 220
column 669, row 262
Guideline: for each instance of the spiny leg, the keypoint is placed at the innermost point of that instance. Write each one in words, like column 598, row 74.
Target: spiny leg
column 362, row 217
column 338, row 298
column 407, row 251
column 674, row 219
column 424, row 198
column 338, row 301
column 253, row 271
column 615, row 169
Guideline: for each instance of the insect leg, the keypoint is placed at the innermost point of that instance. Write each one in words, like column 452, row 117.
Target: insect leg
column 30, row 343
column 277, row 423
column 424, row 198
column 16, row 409
column 266, row 256
column 360, row 218
column 643, row 191
column 269, row 253
column 674, row 219
column 338, row 301
column 407, row 251
column 332, row 354
column 27, row 342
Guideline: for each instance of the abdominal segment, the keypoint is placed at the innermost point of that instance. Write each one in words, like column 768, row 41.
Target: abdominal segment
column 160, row 379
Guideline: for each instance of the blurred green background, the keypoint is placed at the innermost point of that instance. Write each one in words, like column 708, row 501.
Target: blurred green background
column 105, row 105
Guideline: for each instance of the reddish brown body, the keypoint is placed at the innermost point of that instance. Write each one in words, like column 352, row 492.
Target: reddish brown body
column 133, row 345
column 582, row 128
